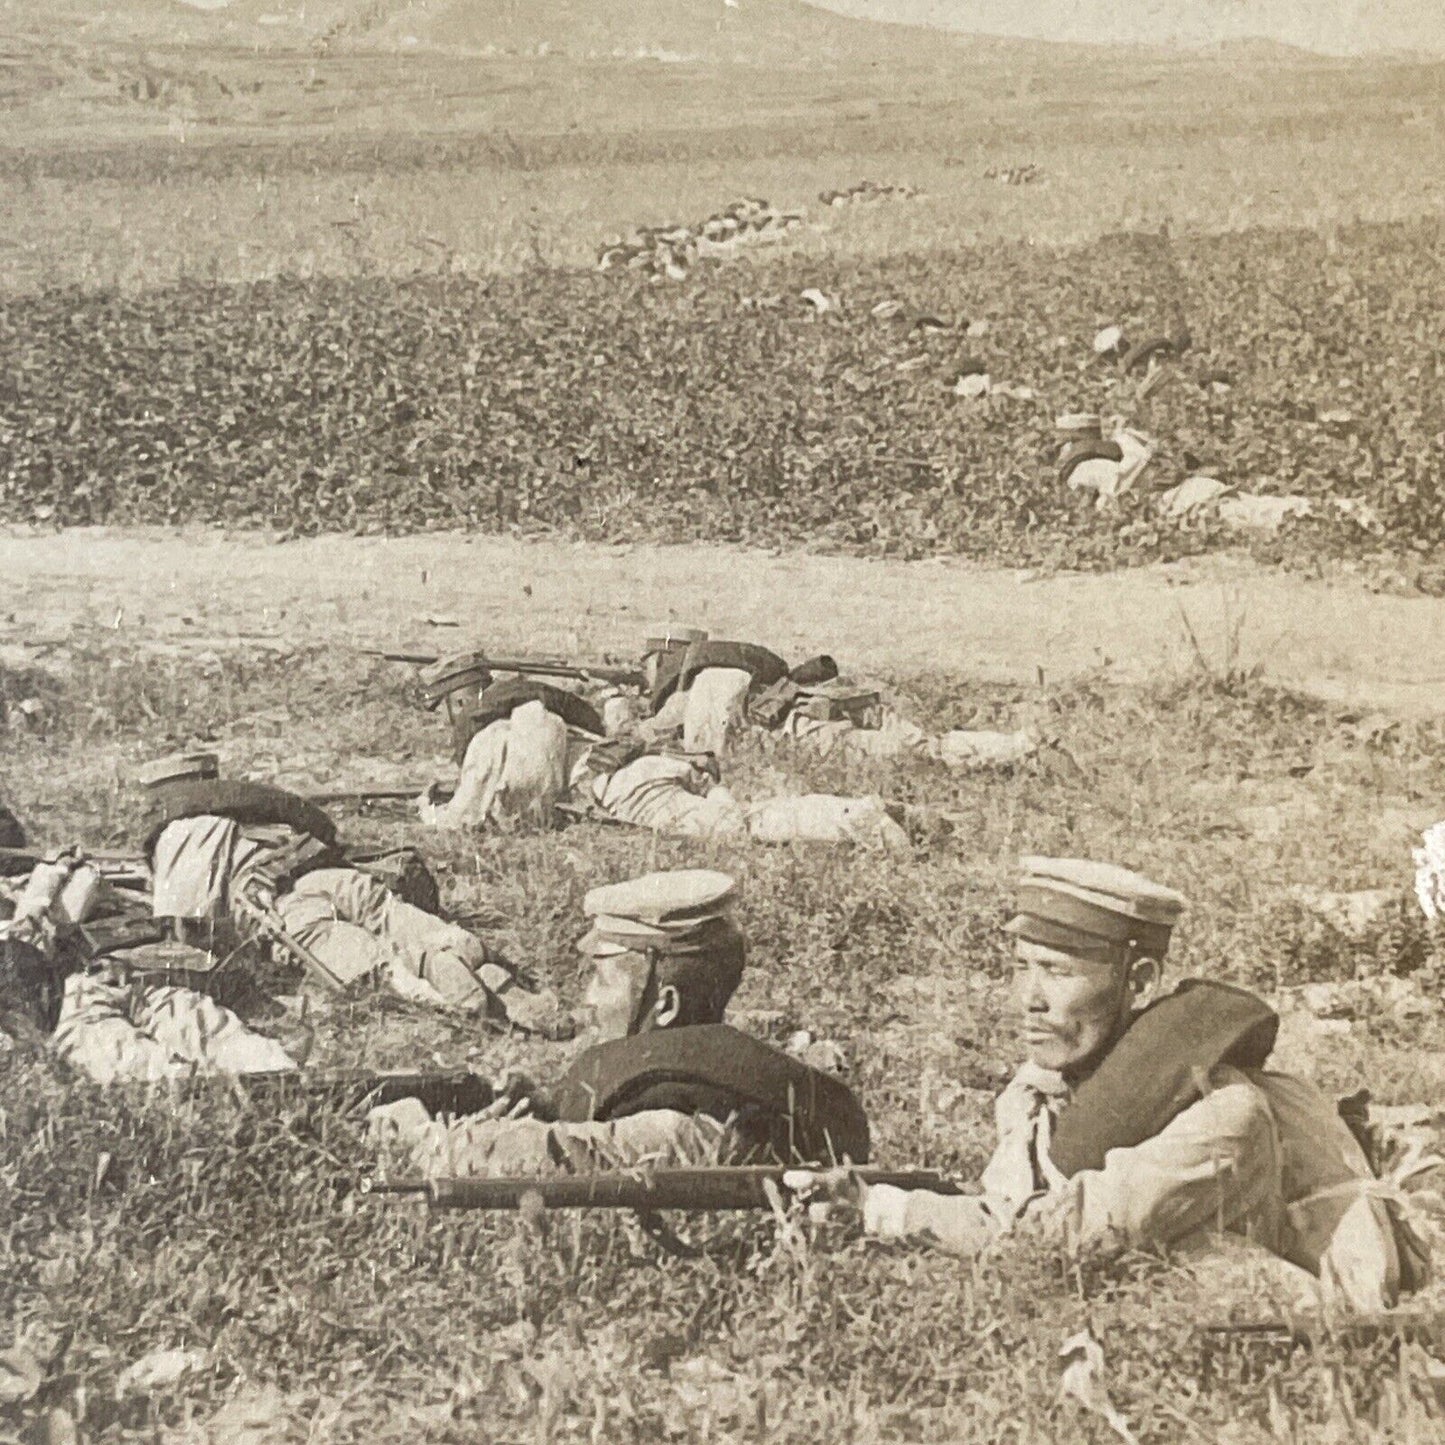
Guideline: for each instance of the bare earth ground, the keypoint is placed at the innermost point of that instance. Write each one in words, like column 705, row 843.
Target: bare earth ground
column 1331, row 639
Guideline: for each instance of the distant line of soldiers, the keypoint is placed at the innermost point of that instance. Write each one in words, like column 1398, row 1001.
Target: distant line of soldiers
column 868, row 191
column 670, row 251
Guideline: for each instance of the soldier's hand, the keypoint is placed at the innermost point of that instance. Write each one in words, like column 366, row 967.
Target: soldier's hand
column 825, row 1186
column 506, row 1108
column 512, row 1096
column 881, row 1207
column 825, row 1190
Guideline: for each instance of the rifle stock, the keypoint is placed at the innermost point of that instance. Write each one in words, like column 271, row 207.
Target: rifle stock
column 724, row 1187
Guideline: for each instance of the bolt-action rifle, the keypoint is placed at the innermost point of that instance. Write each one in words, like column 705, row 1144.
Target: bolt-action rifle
column 371, row 795
column 528, row 666
column 579, row 813
column 441, row 1091
column 723, row 1187
column 112, row 865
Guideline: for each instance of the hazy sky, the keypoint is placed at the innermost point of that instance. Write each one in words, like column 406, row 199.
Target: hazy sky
column 1337, row 26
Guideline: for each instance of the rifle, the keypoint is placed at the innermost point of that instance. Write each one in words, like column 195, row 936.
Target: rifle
column 366, row 795
column 527, row 666
column 361, row 796
column 107, row 861
column 267, row 922
column 1260, row 1345
column 696, row 1190
column 444, row 1091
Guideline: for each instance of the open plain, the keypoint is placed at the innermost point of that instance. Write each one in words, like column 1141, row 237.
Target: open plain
column 302, row 352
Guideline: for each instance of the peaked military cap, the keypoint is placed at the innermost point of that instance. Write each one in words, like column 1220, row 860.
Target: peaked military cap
column 451, row 674
column 1110, row 341
column 1095, row 910
column 179, row 768
column 670, row 902
column 610, row 936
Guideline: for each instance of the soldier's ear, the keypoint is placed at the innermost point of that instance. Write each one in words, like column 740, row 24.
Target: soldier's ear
column 667, row 1007
column 1145, row 974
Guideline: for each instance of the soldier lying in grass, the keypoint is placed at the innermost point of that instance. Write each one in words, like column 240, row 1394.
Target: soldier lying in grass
column 664, row 1081
column 525, row 747
column 231, row 865
column 706, row 691
column 1136, row 1123
column 119, row 1015
column 232, row 858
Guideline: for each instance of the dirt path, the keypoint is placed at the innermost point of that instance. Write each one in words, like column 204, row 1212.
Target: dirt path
column 1334, row 639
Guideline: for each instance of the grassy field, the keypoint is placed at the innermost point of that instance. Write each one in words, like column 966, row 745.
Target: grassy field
column 394, row 248
column 310, row 290
column 214, row 1226
column 386, row 165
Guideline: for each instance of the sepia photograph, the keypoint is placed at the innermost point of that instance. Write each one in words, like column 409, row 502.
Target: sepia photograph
column 723, row 721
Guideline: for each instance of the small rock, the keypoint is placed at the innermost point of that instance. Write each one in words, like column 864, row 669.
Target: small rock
column 1354, row 914
column 826, row 1055
column 21, row 1375
column 1109, row 341
column 1328, row 1001
column 158, row 1370
column 975, row 384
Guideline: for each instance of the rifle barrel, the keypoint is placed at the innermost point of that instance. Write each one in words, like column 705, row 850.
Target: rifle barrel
column 442, row 1091
column 418, row 659
column 101, row 857
column 688, row 1189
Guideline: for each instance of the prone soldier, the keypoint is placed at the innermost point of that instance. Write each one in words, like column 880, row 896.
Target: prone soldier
column 231, row 859
column 1138, row 1120
column 526, row 748
column 664, row 1080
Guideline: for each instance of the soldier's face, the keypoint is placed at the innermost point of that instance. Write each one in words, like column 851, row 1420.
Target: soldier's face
column 613, row 994
column 1070, row 1009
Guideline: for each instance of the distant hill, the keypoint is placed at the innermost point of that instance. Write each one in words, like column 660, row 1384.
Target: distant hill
column 79, row 20
column 1343, row 27
column 766, row 33
column 758, row 31
column 1260, row 50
